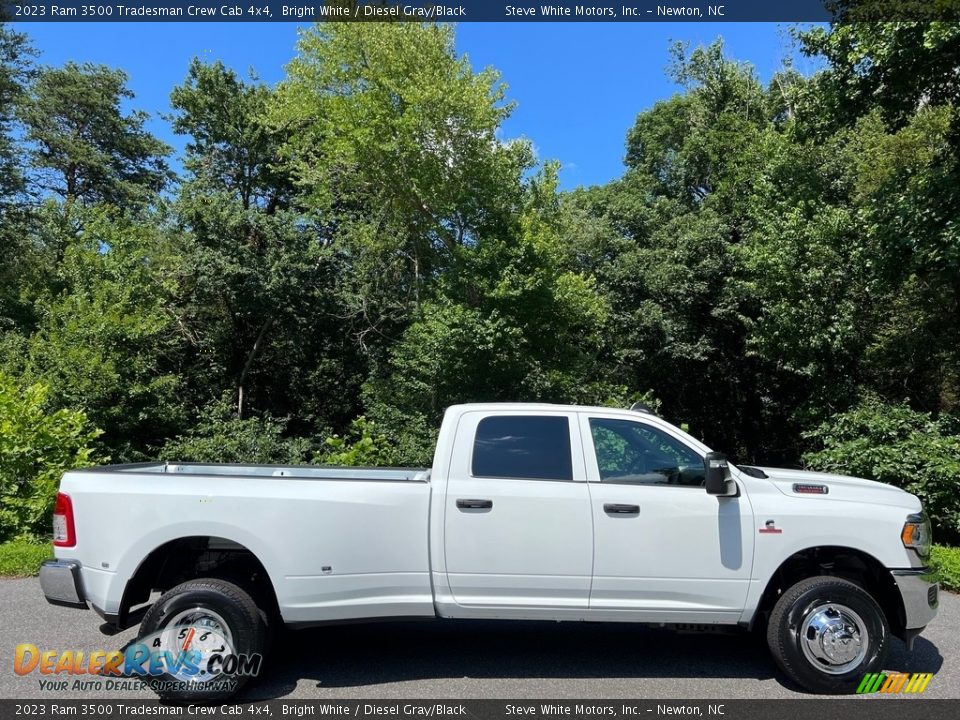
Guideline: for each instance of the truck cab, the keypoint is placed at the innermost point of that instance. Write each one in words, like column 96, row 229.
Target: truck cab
column 596, row 514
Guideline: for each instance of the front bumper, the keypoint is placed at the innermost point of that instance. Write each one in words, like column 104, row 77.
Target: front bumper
column 920, row 594
column 61, row 583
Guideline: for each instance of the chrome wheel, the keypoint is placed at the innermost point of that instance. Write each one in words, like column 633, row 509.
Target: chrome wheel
column 834, row 639
column 201, row 631
column 197, row 635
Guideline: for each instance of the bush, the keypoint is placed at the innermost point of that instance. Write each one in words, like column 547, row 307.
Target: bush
column 361, row 446
column 900, row 446
column 221, row 437
column 36, row 448
column 946, row 561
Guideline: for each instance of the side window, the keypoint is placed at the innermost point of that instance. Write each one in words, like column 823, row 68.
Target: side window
column 632, row 452
column 523, row 446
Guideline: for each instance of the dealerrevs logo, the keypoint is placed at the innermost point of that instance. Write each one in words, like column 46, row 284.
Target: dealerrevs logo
column 184, row 656
column 894, row 682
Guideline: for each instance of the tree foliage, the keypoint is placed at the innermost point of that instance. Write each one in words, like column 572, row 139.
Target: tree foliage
column 15, row 68
column 900, row 446
column 82, row 145
column 218, row 435
column 394, row 139
column 256, row 304
column 15, row 56
column 37, row 445
column 103, row 337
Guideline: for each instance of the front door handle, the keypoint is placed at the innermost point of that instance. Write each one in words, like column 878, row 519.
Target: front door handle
column 618, row 509
column 473, row 504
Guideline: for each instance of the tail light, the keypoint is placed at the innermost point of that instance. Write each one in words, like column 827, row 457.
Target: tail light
column 64, row 533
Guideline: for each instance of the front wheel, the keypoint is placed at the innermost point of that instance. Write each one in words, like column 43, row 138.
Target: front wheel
column 202, row 640
column 826, row 633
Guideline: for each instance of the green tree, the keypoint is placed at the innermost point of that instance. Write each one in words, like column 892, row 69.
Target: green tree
column 82, row 146
column 395, row 138
column 231, row 147
column 15, row 57
column 37, row 445
column 852, row 256
column 105, row 339
column 663, row 243
column 511, row 320
column 702, row 146
column 894, row 67
column 258, row 271
column 361, row 445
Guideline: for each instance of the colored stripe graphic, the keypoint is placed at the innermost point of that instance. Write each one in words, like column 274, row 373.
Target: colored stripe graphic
column 918, row 683
column 893, row 683
column 865, row 683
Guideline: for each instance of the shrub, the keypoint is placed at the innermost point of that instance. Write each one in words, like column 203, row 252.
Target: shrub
column 221, row 437
column 946, row 560
column 900, row 446
column 36, row 447
column 362, row 445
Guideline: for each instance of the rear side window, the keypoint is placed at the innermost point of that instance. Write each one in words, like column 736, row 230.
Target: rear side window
column 523, row 446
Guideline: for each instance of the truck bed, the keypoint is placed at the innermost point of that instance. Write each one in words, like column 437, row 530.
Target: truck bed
column 353, row 544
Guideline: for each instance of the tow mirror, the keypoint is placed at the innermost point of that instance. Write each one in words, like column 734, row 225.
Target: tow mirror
column 717, row 474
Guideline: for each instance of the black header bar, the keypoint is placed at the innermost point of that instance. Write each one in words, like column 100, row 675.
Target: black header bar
column 478, row 11
column 886, row 708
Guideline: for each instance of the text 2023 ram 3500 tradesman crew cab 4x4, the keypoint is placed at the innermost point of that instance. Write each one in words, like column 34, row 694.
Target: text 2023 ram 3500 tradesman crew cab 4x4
column 530, row 511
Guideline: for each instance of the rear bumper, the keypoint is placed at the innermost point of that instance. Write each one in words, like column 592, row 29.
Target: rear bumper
column 61, row 583
column 920, row 594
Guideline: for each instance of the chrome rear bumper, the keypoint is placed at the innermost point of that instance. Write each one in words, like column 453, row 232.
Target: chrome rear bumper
column 61, row 583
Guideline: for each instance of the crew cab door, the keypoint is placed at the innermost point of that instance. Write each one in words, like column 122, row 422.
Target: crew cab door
column 518, row 535
column 664, row 550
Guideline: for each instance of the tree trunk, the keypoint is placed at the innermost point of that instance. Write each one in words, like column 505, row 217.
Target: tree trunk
column 249, row 362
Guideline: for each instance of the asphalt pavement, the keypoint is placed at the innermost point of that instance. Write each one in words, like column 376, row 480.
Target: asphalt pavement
column 477, row 659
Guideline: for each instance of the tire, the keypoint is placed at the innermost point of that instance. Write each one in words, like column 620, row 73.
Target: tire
column 226, row 616
column 826, row 633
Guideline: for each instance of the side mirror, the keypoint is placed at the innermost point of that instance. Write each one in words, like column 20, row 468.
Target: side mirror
column 717, row 475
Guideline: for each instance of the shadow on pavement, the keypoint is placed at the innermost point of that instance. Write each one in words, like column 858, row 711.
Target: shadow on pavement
column 352, row 656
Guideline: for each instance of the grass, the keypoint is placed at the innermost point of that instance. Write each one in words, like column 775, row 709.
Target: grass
column 947, row 562
column 22, row 558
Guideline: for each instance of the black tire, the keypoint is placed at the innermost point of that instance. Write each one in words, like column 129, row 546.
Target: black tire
column 243, row 620
column 828, row 608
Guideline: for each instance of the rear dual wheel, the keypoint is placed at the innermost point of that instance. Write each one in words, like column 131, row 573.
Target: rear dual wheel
column 212, row 619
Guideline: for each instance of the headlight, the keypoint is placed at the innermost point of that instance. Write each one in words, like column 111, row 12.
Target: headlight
column 916, row 534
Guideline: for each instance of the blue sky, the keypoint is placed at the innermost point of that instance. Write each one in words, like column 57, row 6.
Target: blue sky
column 578, row 86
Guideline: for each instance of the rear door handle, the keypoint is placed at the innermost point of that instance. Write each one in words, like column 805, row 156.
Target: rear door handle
column 472, row 504
column 618, row 509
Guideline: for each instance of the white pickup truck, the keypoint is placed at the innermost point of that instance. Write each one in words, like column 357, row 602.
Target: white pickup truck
column 531, row 511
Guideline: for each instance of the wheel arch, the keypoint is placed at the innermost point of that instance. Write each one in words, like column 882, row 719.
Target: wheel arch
column 188, row 557
column 840, row 561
